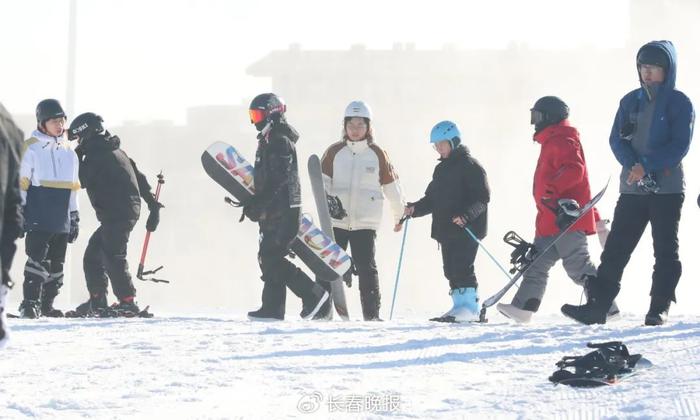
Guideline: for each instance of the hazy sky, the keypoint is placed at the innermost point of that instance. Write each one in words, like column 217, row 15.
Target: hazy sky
column 152, row 59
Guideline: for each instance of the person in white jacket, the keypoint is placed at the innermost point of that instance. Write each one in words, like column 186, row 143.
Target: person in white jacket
column 48, row 183
column 358, row 172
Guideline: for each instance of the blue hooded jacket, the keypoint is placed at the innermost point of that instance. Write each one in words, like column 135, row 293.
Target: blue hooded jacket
column 671, row 128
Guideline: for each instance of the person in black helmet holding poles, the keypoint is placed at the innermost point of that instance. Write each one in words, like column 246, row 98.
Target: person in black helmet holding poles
column 650, row 137
column 276, row 207
column 49, row 185
column 115, row 187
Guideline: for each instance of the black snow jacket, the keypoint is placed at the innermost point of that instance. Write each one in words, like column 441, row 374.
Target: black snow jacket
column 458, row 188
column 10, row 199
column 114, row 184
column 277, row 200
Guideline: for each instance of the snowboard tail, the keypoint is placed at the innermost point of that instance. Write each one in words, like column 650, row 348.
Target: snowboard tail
column 319, row 191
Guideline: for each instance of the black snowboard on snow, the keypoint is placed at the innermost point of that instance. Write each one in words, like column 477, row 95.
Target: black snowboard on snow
column 609, row 364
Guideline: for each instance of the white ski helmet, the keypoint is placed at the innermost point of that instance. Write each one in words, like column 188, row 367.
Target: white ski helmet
column 358, row 109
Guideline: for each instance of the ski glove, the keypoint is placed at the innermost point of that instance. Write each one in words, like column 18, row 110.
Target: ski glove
column 335, row 207
column 74, row 228
column 601, row 228
column 567, row 212
column 153, row 216
column 252, row 211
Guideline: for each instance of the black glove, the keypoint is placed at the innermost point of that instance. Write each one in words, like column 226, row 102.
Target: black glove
column 627, row 131
column 153, row 216
column 567, row 213
column 252, row 211
column 335, row 207
column 74, row 228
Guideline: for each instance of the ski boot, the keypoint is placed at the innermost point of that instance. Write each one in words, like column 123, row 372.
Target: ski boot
column 658, row 311
column 125, row 308
column 4, row 329
column 590, row 313
column 465, row 306
column 47, row 308
column 94, row 307
column 274, row 297
column 318, row 302
column 264, row 314
column 30, row 309
column 370, row 305
column 521, row 316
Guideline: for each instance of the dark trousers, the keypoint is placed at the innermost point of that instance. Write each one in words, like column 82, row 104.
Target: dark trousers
column 632, row 214
column 278, row 273
column 43, row 272
column 458, row 255
column 105, row 259
column 363, row 250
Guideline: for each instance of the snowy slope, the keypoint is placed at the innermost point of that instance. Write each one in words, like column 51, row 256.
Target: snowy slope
column 225, row 367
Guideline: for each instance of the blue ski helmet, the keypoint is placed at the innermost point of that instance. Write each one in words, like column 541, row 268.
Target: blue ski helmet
column 446, row 130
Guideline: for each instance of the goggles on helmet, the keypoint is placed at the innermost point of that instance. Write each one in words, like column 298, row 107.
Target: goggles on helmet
column 257, row 115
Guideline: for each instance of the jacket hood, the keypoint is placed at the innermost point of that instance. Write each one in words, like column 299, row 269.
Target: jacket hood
column 282, row 127
column 670, row 50
column 100, row 142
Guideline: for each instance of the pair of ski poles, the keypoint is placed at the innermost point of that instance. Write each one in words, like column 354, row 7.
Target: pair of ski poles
column 482, row 315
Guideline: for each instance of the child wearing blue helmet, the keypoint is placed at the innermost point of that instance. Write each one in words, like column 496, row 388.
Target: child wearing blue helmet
column 457, row 197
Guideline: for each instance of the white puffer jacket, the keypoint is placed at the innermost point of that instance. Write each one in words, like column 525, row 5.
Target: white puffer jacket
column 361, row 175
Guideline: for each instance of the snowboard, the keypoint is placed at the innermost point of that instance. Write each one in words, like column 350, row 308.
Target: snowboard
column 228, row 168
column 641, row 365
column 498, row 295
column 324, row 217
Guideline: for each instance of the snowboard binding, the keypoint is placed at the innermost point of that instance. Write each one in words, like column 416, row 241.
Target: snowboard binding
column 603, row 366
column 524, row 253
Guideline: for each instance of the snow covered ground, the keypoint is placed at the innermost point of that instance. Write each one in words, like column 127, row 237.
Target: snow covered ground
column 226, row 367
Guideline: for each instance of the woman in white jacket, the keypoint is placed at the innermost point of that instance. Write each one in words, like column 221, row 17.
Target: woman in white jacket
column 359, row 173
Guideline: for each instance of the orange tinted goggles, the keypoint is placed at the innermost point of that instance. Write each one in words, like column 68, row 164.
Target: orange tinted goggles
column 256, row 115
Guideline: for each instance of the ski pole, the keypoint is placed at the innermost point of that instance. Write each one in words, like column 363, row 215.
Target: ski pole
column 482, row 314
column 403, row 221
column 487, row 252
column 140, row 273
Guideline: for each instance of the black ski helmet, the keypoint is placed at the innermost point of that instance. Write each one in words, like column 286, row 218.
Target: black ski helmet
column 85, row 126
column 264, row 107
column 49, row 109
column 547, row 111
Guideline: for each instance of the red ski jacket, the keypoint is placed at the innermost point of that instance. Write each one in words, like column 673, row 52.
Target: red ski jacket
column 561, row 173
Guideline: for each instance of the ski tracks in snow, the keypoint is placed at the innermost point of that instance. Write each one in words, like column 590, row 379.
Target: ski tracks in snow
column 219, row 367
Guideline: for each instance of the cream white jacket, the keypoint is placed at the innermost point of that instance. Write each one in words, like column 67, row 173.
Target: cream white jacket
column 361, row 175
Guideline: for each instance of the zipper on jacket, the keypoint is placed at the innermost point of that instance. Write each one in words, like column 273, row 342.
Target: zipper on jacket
column 352, row 179
column 53, row 161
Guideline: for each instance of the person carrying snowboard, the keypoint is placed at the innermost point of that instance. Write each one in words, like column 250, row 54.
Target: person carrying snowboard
column 115, row 187
column 358, row 172
column 49, row 184
column 457, row 197
column 10, row 209
column 650, row 137
column 276, row 207
column 561, row 173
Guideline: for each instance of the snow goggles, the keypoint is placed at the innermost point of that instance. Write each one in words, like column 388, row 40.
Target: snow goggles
column 536, row 116
column 257, row 115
